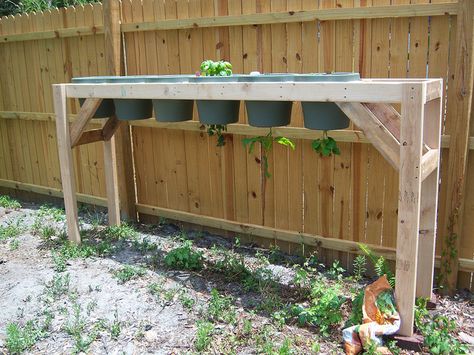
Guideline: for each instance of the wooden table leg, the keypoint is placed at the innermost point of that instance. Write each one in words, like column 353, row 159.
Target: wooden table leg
column 411, row 144
column 429, row 203
column 111, row 180
column 66, row 163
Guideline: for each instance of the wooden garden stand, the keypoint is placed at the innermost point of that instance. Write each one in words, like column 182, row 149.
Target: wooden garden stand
column 410, row 142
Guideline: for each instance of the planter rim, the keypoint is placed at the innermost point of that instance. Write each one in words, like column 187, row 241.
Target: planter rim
column 338, row 76
column 270, row 77
column 132, row 79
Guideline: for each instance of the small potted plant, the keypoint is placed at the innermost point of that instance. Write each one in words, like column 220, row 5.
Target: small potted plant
column 266, row 143
column 268, row 113
column 216, row 114
column 106, row 107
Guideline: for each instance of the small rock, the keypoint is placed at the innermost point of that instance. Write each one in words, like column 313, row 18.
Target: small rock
column 148, row 327
column 151, row 336
column 466, row 338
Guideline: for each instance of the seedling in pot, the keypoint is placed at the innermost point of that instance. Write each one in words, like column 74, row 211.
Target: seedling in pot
column 266, row 143
column 325, row 146
column 220, row 68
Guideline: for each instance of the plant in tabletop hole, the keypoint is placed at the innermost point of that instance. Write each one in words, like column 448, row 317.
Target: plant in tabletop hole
column 325, row 146
column 220, row 68
column 266, row 143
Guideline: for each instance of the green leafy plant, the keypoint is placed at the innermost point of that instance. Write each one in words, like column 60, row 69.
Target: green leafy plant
column 21, row 338
column 184, row 257
column 380, row 264
column 360, row 267
column 219, row 68
column 11, row 230
column 217, row 130
column 266, row 144
column 325, row 146
column 204, row 333
column 356, row 309
column 221, row 308
column 437, row 331
column 336, row 270
column 325, row 308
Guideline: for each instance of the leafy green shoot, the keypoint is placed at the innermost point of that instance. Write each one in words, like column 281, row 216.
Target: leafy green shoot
column 325, row 146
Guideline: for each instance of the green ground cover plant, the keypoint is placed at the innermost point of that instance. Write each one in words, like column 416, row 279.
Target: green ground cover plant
column 8, row 202
column 128, row 272
column 184, row 257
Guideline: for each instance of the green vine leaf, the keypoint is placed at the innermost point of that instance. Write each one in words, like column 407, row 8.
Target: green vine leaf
column 217, row 130
column 325, row 146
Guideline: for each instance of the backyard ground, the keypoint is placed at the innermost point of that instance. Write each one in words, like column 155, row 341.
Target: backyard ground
column 157, row 289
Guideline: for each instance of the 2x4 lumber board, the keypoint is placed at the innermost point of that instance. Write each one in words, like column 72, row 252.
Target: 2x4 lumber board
column 58, row 33
column 66, row 162
column 275, row 233
column 409, row 205
column 111, row 181
column 92, row 136
column 268, row 18
column 123, row 140
column 388, row 116
column 51, row 191
column 432, row 124
column 85, row 114
column 460, row 93
column 353, row 91
column 353, row 136
column 429, row 163
column 110, row 127
column 248, row 19
column 374, row 130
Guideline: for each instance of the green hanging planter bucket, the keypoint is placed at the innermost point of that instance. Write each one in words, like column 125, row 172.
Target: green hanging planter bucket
column 106, row 107
column 218, row 112
column 268, row 113
column 132, row 109
column 168, row 110
column 325, row 116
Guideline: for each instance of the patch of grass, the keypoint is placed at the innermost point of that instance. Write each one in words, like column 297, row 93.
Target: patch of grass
column 156, row 289
column 21, row 338
column 184, row 257
column 122, row 232
column 204, row 333
column 52, row 213
column 76, row 327
column 11, row 230
column 144, row 246
column 14, row 244
column 186, row 301
column 8, row 202
column 230, row 264
column 128, row 272
column 115, row 328
column 221, row 308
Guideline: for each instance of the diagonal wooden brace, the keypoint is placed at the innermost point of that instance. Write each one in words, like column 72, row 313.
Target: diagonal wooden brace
column 375, row 130
column 429, row 162
column 85, row 114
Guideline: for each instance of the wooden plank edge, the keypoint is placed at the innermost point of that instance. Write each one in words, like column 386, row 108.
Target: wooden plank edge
column 92, row 136
column 386, row 11
column 58, row 33
column 350, row 136
column 50, row 191
column 429, row 162
column 352, row 247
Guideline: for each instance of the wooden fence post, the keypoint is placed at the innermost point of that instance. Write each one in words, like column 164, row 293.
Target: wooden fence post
column 113, row 56
column 460, row 93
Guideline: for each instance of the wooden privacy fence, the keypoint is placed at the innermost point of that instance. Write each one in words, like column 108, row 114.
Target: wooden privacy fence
column 178, row 172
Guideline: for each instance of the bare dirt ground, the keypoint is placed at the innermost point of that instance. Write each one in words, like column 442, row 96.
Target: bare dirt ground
column 117, row 294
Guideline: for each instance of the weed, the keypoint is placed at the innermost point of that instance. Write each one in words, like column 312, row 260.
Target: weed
column 336, row 270
column 52, row 213
column 171, row 293
column 144, row 245
column 325, row 146
column 121, row 232
column 115, row 328
column 392, row 346
column 186, row 300
column 58, row 286
column 232, row 265
column 285, row 347
column 356, row 313
column 204, row 332
column 14, row 244
column 156, row 288
column 325, row 308
column 380, row 264
column 437, row 331
column 360, row 267
column 21, row 338
column 76, row 327
column 184, row 257
column 8, row 202
column 217, row 130
column 221, row 308
column 11, row 230
column 128, row 272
